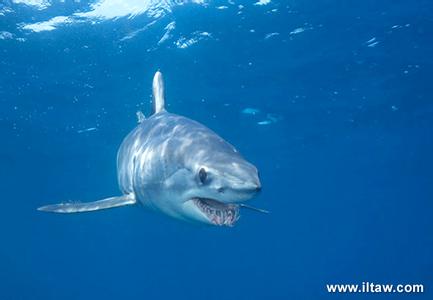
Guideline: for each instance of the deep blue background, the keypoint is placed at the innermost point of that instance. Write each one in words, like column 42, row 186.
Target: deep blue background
column 346, row 170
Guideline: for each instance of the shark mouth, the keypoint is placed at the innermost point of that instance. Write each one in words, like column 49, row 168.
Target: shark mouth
column 217, row 212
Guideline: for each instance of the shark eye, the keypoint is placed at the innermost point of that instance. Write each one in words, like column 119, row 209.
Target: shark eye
column 202, row 175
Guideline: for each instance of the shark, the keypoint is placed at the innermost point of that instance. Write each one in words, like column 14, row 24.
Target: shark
column 179, row 167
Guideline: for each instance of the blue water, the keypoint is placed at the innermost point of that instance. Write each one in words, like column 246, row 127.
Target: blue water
column 339, row 122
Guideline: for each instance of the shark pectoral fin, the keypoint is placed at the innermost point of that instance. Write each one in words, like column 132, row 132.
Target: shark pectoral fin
column 254, row 208
column 111, row 202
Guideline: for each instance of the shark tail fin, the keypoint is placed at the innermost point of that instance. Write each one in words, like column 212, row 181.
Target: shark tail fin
column 158, row 93
column 67, row 208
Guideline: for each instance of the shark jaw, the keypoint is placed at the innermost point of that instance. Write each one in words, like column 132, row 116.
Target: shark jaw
column 216, row 212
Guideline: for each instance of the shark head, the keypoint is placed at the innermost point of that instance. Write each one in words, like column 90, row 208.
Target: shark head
column 213, row 180
column 219, row 189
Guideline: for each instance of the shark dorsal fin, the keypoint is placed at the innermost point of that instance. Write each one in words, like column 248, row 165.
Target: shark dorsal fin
column 158, row 93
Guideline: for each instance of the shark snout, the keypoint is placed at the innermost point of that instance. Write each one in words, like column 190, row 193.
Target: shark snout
column 252, row 187
column 248, row 187
column 249, row 181
column 231, row 180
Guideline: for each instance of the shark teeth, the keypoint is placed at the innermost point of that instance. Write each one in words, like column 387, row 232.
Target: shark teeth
column 218, row 213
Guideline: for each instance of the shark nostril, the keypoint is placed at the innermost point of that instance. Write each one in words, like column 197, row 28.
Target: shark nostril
column 258, row 189
column 220, row 190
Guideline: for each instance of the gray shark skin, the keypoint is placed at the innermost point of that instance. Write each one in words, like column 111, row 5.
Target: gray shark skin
column 179, row 167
